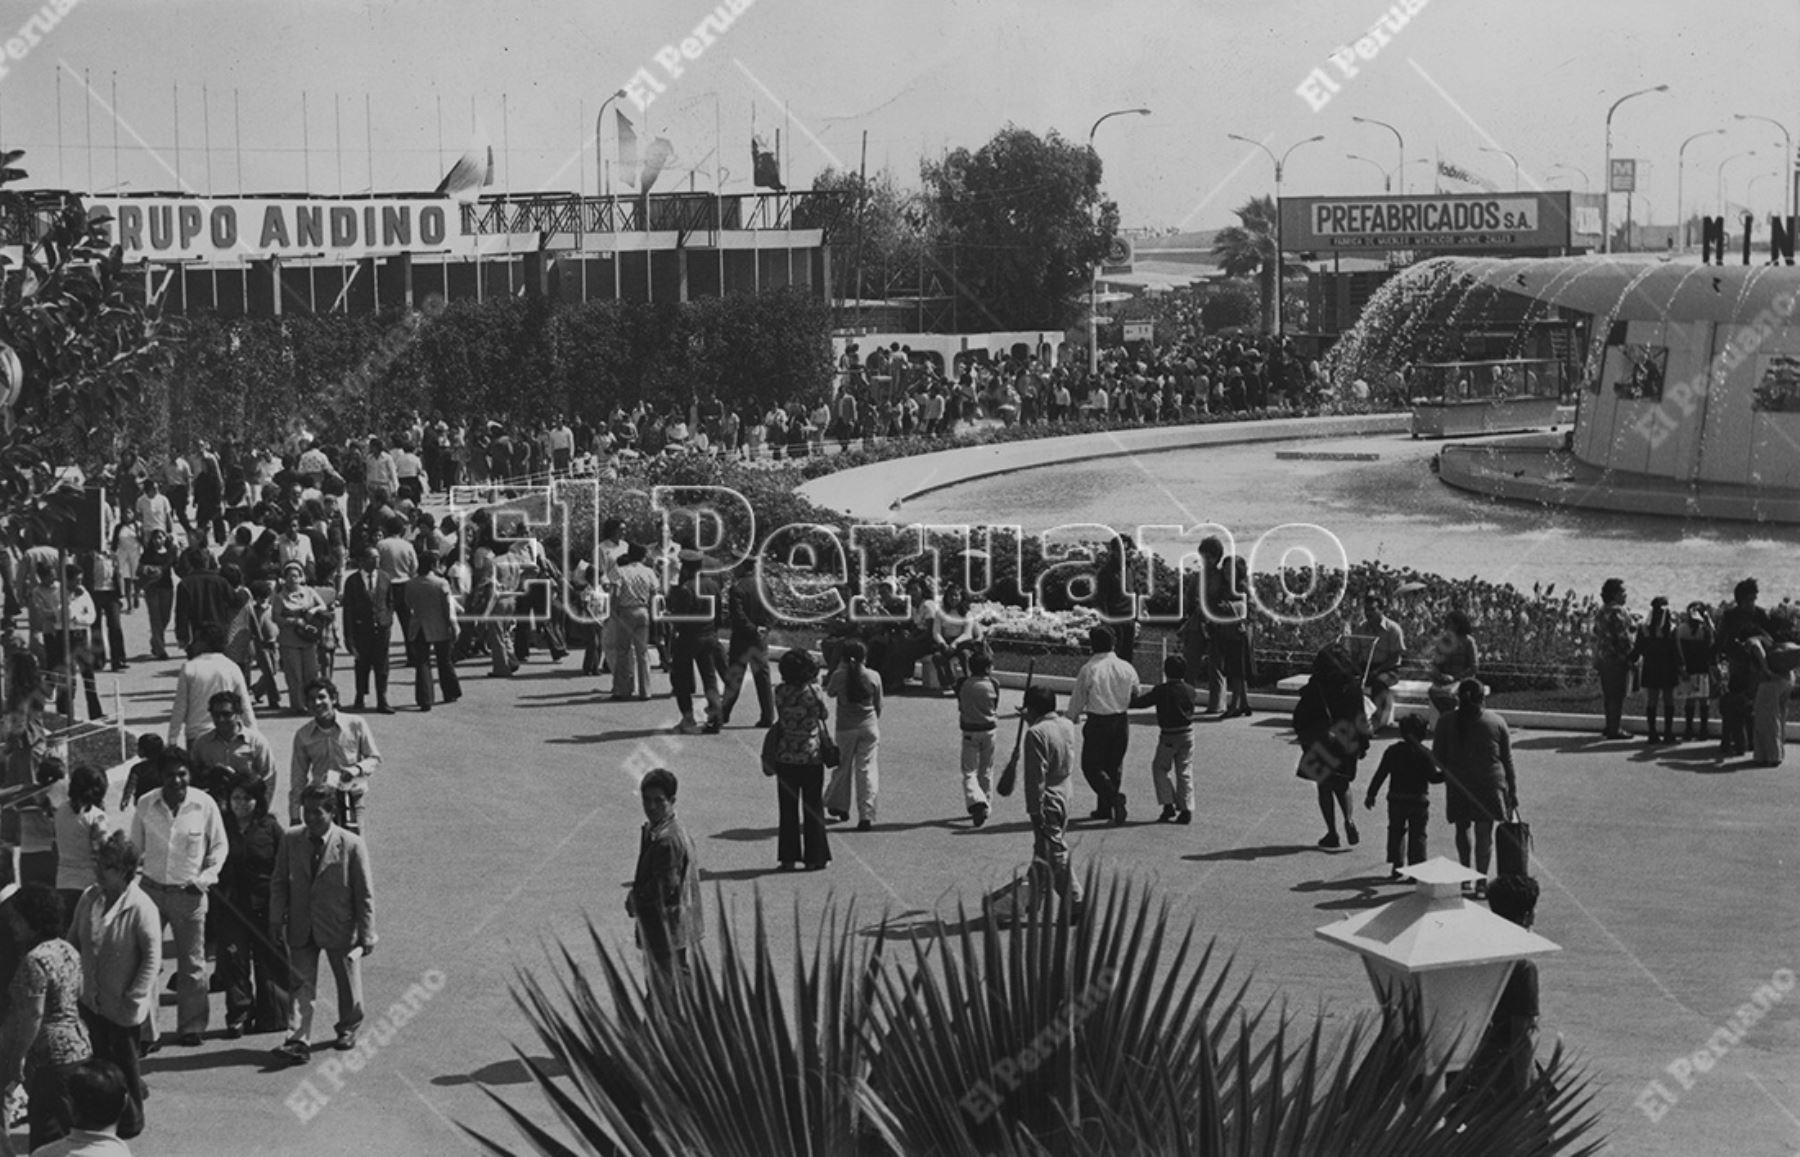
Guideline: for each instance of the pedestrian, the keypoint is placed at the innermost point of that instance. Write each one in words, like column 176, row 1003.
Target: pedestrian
column 432, row 615
column 1774, row 686
column 183, row 840
column 1386, row 651
column 369, row 627
column 119, row 934
column 146, row 773
column 1103, row 690
column 750, row 619
column 1660, row 654
column 203, row 676
column 97, row 1100
column 1333, row 727
column 302, row 618
column 252, row 971
column 1695, row 639
column 1049, row 772
column 42, row 1039
column 978, row 714
column 1614, row 637
column 322, row 899
column 665, row 890
column 1503, row 1059
column 800, row 717
column 693, row 609
column 634, row 588
column 156, row 578
column 1454, row 658
column 1473, row 747
column 1173, row 700
column 858, row 692
column 1409, row 771
column 332, row 750
column 79, row 812
column 234, row 743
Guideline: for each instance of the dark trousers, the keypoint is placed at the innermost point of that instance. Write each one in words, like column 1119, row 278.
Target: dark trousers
column 1103, row 742
column 1406, row 826
column 801, row 835
column 70, row 668
column 402, row 615
column 752, row 655
column 1124, row 638
column 118, row 1043
column 253, row 971
column 687, row 658
column 423, row 655
column 107, row 604
column 161, row 601
column 1615, row 680
column 371, row 659
column 1736, row 711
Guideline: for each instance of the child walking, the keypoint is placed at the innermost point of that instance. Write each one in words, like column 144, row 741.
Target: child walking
column 1409, row 770
column 1173, row 699
column 978, row 709
column 1695, row 638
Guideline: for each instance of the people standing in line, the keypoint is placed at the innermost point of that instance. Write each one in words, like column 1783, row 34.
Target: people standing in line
column 42, row 1039
column 78, row 809
column 118, row 931
column 1409, row 770
column 322, row 899
column 1173, row 700
column 1333, row 728
column 978, row 715
column 1103, row 691
column 369, row 627
column 1473, row 748
column 251, row 971
column 801, row 714
column 334, row 750
column 634, row 589
column 434, row 626
column 1049, row 775
column 858, row 692
column 1660, row 653
column 1615, row 633
column 184, row 846
column 693, row 609
column 1695, row 640
column 665, row 890
column 750, row 619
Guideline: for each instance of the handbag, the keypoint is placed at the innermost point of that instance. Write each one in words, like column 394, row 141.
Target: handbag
column 829, row 754
column 770, row 746
column 1512, row 846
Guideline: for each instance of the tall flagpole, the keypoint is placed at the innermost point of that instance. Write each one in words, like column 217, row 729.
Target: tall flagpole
column 59, row 137
column 87, row 131
column 115, row 123
column 305, row 145
column 337, row 139
column 237, row 141
column 177, row 103
column 369, row 139
column 206, row 136
column 440, row 120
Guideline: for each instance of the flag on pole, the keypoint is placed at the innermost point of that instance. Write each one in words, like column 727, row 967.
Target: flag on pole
column 657, row 154
column 1463, row 176
column 765, row 167
column 473, row 171
column 628, row 151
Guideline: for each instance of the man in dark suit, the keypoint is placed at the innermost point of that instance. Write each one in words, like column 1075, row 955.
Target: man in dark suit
column 369, row 625
column 322, row 899
column 431, row 632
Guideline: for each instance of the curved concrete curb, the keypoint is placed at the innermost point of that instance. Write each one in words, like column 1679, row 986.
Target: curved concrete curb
column 874, row 491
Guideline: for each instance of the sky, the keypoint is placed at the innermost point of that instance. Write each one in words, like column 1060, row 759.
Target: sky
column 390, row 89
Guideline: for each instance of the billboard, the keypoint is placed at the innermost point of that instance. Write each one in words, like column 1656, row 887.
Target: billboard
column 1483, row 222
column 225, row 229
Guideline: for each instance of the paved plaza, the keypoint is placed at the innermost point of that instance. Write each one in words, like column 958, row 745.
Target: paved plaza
column 498, row 825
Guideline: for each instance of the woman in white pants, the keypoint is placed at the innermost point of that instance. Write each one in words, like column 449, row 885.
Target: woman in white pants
column 858, row 693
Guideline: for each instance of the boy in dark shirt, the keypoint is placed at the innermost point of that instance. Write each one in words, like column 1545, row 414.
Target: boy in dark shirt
column 1412, row 770
column 1173, row 699
column 146, row 774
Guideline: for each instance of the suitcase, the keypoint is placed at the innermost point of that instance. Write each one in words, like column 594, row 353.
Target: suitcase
column 1512, row 847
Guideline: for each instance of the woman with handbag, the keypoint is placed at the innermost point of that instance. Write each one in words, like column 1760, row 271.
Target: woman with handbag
column 1333, row 726
column 794, row 751
column 301, row 616
column 1474, row 749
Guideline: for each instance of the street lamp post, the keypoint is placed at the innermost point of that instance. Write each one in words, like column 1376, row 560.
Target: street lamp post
column 1401, row 167
column 599, row 155
column 1750, row 189
column 1721, row 175
column 1606, row 173
column 1387, row 178
column 1586, row 185
column 1094, row 277
column 1280, row 165
column 1787, row 153
column 1508, row 156
column 1680, row 176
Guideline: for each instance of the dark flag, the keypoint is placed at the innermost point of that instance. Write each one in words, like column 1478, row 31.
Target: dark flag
column 764, row 167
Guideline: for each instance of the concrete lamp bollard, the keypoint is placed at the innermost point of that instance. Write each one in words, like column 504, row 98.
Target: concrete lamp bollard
column 1452, row 952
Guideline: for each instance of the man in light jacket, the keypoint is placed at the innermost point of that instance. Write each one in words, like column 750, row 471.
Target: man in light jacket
column 434, row 628
column 118, row 932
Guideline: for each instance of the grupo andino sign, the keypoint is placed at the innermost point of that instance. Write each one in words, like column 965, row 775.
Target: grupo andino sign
column 1496, row 222
column 250, row 228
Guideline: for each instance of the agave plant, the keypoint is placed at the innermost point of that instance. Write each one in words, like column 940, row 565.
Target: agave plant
column 1120, row 1034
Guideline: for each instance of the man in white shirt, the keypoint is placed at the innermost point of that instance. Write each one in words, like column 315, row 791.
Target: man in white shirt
column 154, row 511
column 182, row 837
column 379, row 476
column 561, row 442
column 409, row 473
column 205, row 675
column 1103, row 690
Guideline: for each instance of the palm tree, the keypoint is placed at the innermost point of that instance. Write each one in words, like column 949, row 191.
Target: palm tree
column 1250, row 248
column 1119, row 1034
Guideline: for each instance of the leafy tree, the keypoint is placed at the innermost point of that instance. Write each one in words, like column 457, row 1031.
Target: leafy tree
column 898, row 237
column 87, row 346
column 1027, row 223
column 1249, row 248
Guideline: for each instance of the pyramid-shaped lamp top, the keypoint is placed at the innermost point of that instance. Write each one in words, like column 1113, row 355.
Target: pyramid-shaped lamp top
column 1436, row 927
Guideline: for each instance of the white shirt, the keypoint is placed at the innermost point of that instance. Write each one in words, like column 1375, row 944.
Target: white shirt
column 201, row 678
column 1103, row 686
column 180, row 848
